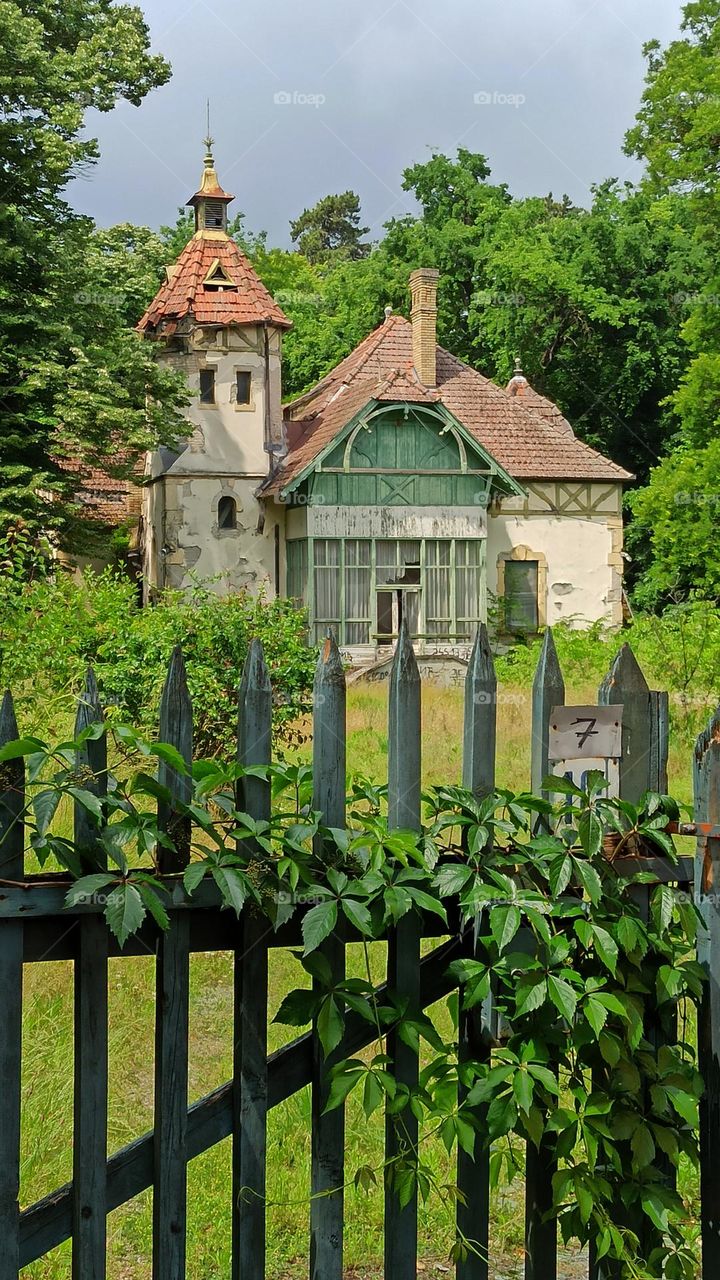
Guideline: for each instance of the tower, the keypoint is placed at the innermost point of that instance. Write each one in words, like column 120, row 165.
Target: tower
column 215, row 321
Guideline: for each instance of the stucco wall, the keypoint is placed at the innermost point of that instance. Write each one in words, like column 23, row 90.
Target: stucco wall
column 226, row 455
column 575, row 531
column 228, row 437
column 191, row 546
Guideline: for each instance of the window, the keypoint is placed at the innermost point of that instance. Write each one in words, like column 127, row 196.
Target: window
column 327, row 586
column 227, row 513
column 438, row 611
column 357, row 591
column 469, row 558
column 207, row 386
column 213, row 214
column 218, row 278
column 365, row 588
column 521, row 595
column 243, row 380
column 297, row 568
column 398, row 563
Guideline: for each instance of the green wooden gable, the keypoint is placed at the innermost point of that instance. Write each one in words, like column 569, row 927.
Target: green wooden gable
column 402, row 454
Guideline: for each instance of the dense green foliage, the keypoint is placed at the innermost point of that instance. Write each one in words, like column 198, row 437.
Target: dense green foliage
column 677, row 134
column 679, row 651
column 74, row 378
column 331, row 229
column 574, row 968
column 52, row 628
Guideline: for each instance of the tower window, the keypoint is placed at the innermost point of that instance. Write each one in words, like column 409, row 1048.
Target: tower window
column 207, row 386
column 227, row 513
column 242, row 383
column 213, row 214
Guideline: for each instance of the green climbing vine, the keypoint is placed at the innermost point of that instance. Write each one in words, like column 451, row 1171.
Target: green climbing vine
column 582, row 987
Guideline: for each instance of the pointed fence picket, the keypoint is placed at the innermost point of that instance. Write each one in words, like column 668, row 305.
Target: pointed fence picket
column 473, row 1171
column 327, row 1174
column 250, row 1067
column 34, row 927
column 12, row 787
column 172, row 998
column 403, row 963
column 707, row 896
column 91, row 1018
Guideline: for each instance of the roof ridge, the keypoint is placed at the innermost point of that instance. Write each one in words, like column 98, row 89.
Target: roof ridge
column 333, row 374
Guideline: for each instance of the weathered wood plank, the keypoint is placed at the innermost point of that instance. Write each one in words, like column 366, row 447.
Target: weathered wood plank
column 172, row 1000
column 643, row 767
column 625, row 685
column 548, row 691
column 91, row 1024
column 250, row 1069
column 12, row 801
column 176, row 728
column 473, row 1174
column 48, row 1222
column 327, row 1174
column 707, row 897
column 480, row 717
column 401, row 1131
column 541, row 1164
column 92, row 763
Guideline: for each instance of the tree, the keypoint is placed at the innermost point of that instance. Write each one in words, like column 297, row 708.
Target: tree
column 73, row 378
column 677, row 134
column 331, row 229
column 590, row 299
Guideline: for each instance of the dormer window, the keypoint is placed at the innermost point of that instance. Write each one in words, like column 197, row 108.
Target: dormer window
column 218, row 278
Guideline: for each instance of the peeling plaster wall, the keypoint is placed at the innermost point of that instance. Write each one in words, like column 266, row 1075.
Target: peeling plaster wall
column 225, row 456
column 194, row 547
column 581, row 544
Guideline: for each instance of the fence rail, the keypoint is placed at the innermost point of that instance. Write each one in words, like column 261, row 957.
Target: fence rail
column 35, row 927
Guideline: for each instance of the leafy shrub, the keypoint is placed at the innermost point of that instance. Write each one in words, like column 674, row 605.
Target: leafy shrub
column 52, row 628
column 678, row 650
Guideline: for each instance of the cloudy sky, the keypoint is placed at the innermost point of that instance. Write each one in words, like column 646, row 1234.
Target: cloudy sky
column 315, row 96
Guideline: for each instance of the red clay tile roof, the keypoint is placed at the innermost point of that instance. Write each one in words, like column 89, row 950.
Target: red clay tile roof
column 109, row 499
column 525, row 433
column 185, row 294
column 519, row 386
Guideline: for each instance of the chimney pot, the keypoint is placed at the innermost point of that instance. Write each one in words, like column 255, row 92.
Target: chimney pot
column 423, row 314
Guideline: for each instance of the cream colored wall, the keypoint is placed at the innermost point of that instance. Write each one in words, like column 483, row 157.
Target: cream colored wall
column 577, row 528
column 192, row 547
column 225, row 456
column 228, row 437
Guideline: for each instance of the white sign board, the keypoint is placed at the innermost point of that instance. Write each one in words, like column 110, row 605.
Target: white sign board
column 586, row 739
column 584, row 733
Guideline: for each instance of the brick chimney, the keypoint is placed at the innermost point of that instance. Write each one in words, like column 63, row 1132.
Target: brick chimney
column 423, row 314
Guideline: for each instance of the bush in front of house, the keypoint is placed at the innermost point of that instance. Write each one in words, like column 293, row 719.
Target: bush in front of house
column 52, row 626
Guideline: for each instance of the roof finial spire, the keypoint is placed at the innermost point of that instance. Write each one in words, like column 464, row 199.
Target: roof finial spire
column 518, row 366
column 208, row 140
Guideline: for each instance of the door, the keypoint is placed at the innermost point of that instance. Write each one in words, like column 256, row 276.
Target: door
column 394, row 604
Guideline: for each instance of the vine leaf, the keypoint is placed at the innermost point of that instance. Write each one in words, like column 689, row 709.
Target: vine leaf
column 318, row 924
column 125, row 911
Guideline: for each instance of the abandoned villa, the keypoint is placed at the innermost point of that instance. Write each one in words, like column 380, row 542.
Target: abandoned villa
column 405, row 484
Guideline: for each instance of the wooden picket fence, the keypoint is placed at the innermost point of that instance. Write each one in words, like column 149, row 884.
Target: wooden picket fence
column 35, row 928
